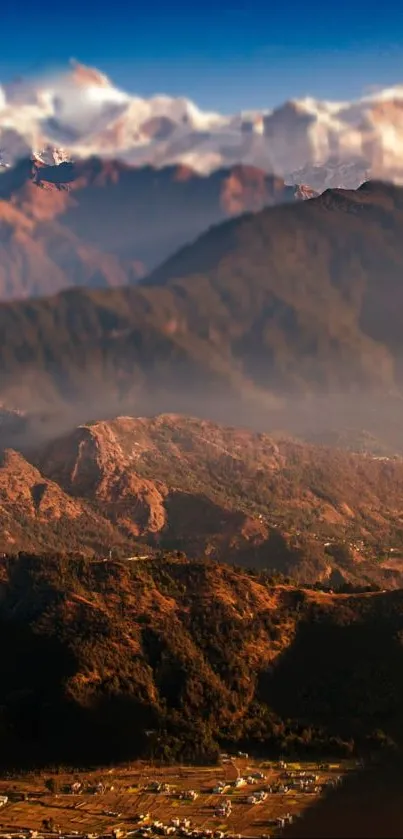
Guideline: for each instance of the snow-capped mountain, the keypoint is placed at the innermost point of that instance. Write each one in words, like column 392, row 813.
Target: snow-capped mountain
column 80, row 113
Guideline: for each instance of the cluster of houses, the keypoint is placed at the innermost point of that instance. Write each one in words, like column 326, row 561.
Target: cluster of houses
column 302, row 782
column 154, row 829
column 81, row 788
column 156, row 786
column 177, row 827
column 254, row 778
column 167, row 789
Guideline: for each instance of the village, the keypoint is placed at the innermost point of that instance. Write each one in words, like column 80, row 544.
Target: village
column 239, row 799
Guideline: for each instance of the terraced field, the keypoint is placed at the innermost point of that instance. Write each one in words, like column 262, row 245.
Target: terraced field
column 128, row 794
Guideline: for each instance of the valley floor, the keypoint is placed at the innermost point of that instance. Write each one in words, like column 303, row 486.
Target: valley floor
column 128, row 794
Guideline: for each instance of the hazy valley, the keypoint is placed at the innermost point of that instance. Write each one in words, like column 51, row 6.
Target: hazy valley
column 103, row 224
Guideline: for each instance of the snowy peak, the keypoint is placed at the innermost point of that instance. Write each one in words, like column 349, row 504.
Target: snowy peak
column 40, row 88
column 83, row 75
column 80, row 112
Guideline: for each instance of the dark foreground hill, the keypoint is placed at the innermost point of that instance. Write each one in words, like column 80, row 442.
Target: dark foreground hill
column 170, row 658
column 301, row 300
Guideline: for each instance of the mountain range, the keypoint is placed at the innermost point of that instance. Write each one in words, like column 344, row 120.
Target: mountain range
column 80, row 113
column 139, row 457
column 103, row 223
column 287, row 318
column 201, row 412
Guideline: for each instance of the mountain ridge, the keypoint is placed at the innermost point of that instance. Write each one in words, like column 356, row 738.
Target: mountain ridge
column 296, row 305
column 137, row 485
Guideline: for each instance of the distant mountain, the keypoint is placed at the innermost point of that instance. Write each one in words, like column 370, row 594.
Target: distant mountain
column 327, row 275
column 79, row 113
column 44, row 258
column 296, row 301
column 102, row 224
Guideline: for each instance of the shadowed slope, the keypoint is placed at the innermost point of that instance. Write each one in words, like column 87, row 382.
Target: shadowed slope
column 303, row 298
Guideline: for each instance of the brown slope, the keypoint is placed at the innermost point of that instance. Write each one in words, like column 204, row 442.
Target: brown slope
column 36, row 514
column 104, row 212
column 239, row 496
column 301, row 299
column 194, row 654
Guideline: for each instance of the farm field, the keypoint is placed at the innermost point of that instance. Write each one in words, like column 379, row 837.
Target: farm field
column 127, row 793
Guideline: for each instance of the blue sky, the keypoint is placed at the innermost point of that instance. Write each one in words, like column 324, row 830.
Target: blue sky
column 224, row 55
